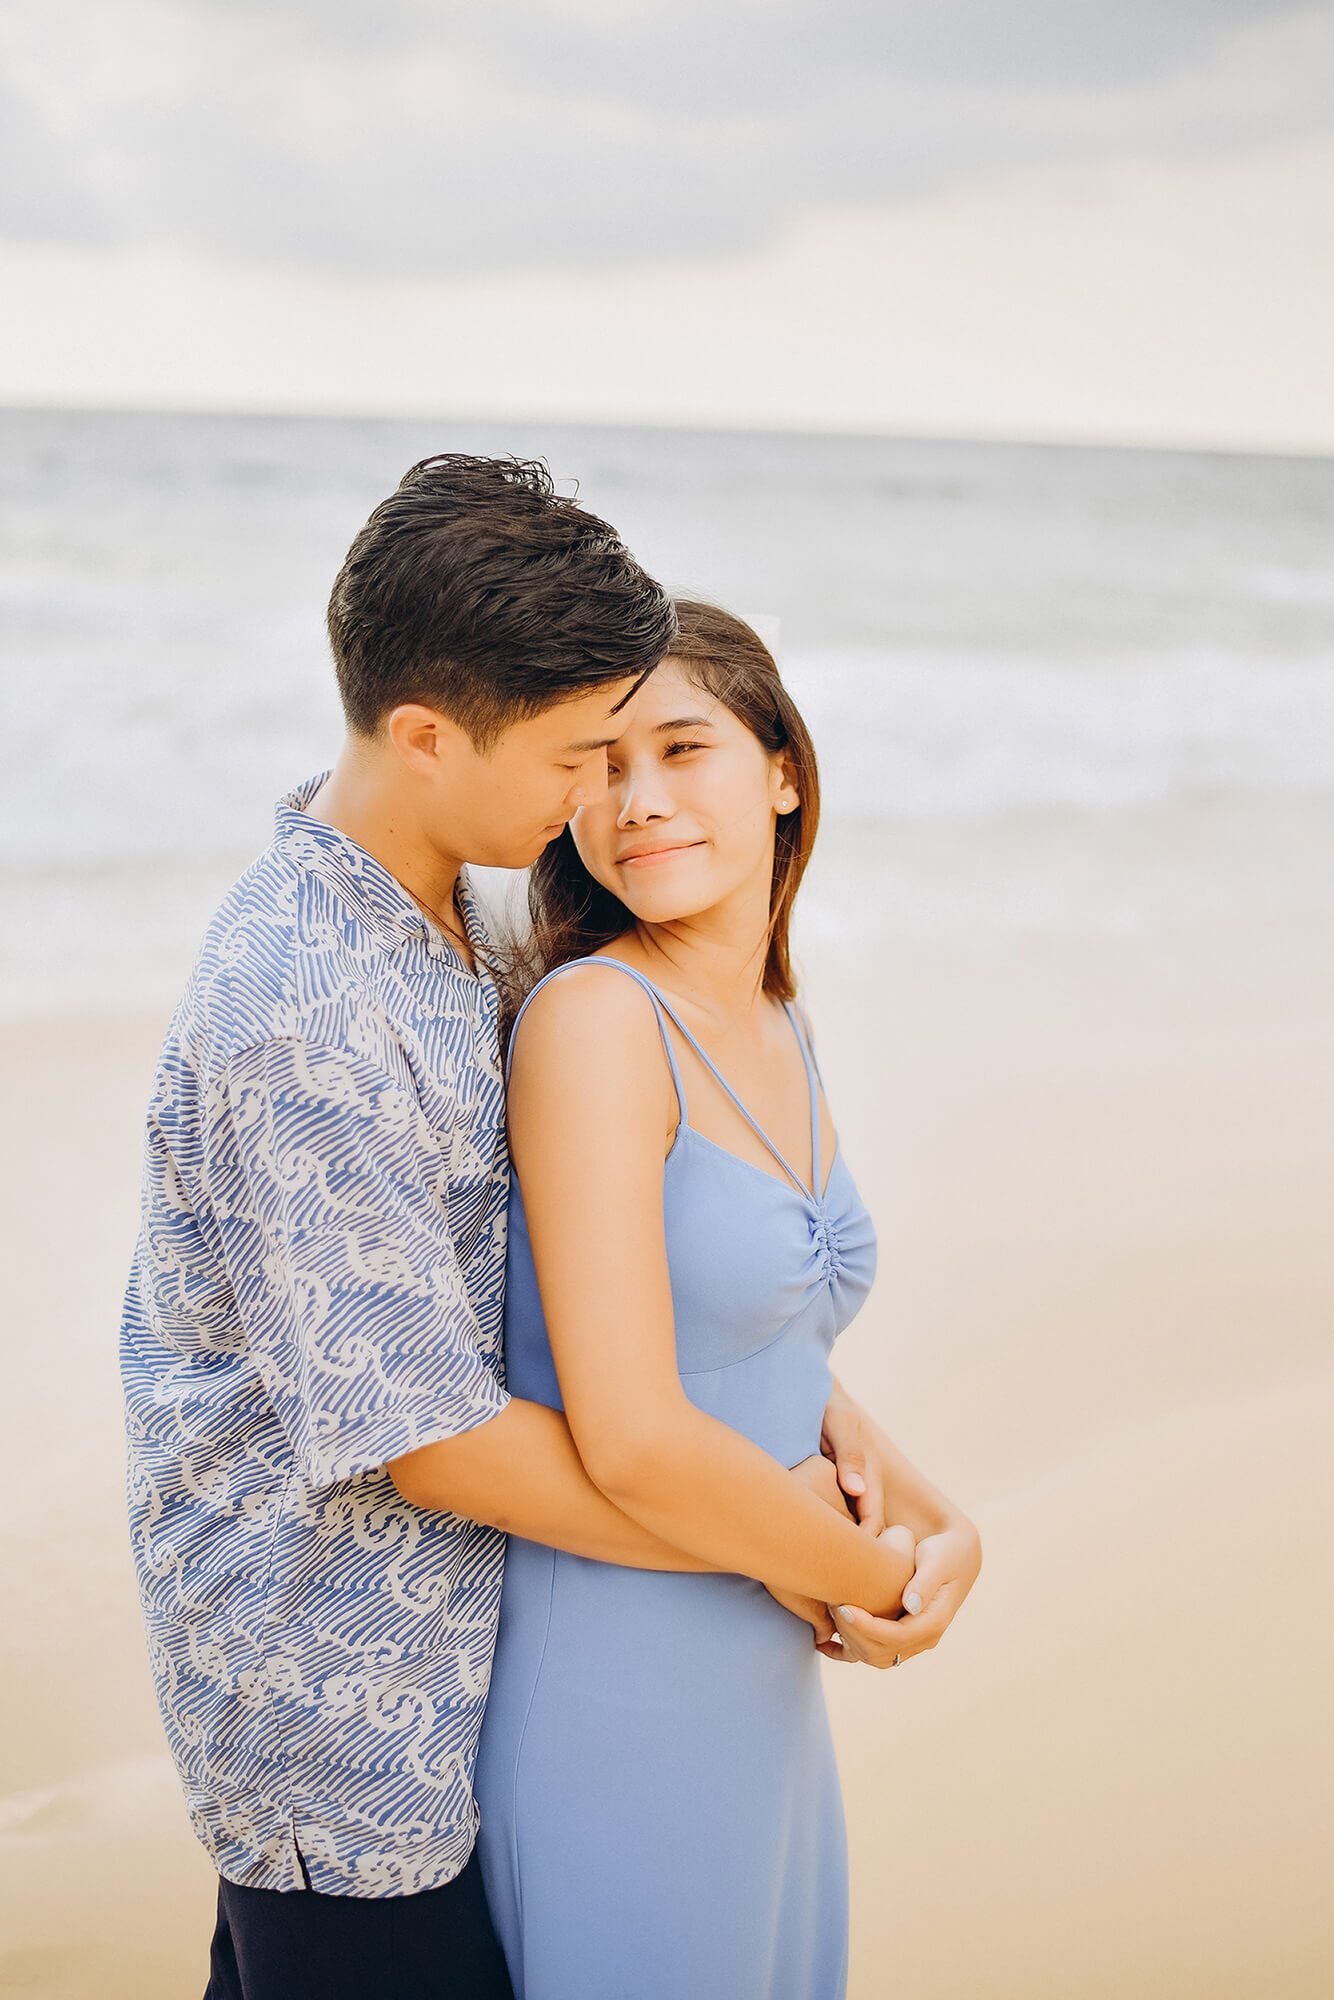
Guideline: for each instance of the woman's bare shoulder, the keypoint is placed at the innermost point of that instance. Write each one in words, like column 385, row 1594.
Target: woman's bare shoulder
column 589, row 1011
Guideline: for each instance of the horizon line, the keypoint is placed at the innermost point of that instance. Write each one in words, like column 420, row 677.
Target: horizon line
column 1054, row 440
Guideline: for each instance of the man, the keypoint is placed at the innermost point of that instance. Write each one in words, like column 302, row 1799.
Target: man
column 322, row 1453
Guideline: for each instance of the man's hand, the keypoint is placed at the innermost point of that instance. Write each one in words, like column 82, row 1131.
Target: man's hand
column 947, row 1566
column 848, row 1441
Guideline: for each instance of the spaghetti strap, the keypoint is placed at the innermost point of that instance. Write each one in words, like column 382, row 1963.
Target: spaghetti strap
column 814, row 1080
column 665, row 1007
column 808, row 1039
column 658, row 1007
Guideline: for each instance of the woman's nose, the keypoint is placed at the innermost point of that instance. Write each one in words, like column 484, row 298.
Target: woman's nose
column 640, row 800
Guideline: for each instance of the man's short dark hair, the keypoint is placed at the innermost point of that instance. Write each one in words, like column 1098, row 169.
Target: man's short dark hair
column 478, row 590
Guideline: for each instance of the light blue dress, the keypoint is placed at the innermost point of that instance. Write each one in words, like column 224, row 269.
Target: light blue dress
column 660, row 1807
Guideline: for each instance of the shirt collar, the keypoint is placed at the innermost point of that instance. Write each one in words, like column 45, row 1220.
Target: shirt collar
column 367, row 884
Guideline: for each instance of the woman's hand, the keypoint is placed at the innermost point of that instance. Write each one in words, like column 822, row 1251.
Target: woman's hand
column 820, row 1477
column 849, row 1442
column 947, row 1567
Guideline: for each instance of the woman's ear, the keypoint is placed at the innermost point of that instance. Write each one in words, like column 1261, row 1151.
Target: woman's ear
column 783, row 785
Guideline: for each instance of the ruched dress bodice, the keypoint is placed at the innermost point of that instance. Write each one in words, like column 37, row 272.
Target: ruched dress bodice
column 660, row 1808
column 758, row 1303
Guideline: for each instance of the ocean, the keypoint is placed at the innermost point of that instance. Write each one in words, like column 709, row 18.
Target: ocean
column 1051, row 688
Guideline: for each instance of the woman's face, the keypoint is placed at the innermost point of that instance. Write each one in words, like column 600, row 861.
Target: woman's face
column 688, row 820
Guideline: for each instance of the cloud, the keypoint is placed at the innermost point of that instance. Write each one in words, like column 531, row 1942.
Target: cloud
column 770, row 51
column 1179, row 302
column 42, row 197
column 410, row 139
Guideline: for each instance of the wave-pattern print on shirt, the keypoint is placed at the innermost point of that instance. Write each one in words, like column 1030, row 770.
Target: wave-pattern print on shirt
column 318, row 1288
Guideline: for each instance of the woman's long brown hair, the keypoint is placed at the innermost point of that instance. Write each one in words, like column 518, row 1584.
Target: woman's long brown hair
column 572, row 915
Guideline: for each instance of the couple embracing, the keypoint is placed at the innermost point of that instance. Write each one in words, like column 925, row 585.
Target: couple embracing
column 499, row 1481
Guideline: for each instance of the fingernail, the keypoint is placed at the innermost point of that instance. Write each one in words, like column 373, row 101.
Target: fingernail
column 912, row 1602
column 848, row 1612
column 853, row 1482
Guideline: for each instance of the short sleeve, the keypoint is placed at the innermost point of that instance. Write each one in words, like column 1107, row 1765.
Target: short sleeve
column 323, row 1177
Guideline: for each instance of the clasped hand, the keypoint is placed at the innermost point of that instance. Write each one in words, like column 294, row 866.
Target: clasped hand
column 940, row 1565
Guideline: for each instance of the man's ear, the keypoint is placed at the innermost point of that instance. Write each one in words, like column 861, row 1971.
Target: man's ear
column 422, row 737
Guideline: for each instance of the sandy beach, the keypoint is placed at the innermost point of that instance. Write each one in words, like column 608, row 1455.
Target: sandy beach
column 1104, row 1316
column 1101, row 1165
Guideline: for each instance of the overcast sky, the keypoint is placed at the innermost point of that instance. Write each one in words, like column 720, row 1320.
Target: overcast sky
column 871, row 209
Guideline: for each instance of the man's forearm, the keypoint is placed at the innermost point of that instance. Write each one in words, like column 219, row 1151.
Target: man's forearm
column 521, row 1472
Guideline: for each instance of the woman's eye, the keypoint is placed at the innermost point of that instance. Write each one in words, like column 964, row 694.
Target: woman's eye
column 675, row 749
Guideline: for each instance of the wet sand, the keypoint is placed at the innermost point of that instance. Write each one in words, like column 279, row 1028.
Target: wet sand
column 1102, row 1170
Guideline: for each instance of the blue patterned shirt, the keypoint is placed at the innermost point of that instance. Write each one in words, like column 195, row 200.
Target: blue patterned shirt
column 318, row 1287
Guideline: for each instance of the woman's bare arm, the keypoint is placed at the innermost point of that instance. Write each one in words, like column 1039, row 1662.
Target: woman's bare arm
column 589, row 1107
column 521, row 1472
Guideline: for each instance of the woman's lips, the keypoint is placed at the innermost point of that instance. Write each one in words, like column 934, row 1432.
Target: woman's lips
column 655, row 854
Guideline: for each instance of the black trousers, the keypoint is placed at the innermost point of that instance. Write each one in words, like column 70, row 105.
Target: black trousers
column 299, row 1945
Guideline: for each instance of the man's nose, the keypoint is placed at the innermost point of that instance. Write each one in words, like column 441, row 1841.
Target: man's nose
column 592, row 786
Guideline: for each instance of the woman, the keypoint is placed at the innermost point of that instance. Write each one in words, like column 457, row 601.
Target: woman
column 660, row 1806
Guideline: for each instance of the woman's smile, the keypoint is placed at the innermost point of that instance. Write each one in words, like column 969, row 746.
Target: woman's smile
column 644, row 856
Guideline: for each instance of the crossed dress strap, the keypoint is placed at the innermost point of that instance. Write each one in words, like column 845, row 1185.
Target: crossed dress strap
column 808, row 1059
column 665, row 1012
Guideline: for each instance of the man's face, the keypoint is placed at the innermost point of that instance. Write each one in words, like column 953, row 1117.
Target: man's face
column 500, row 807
